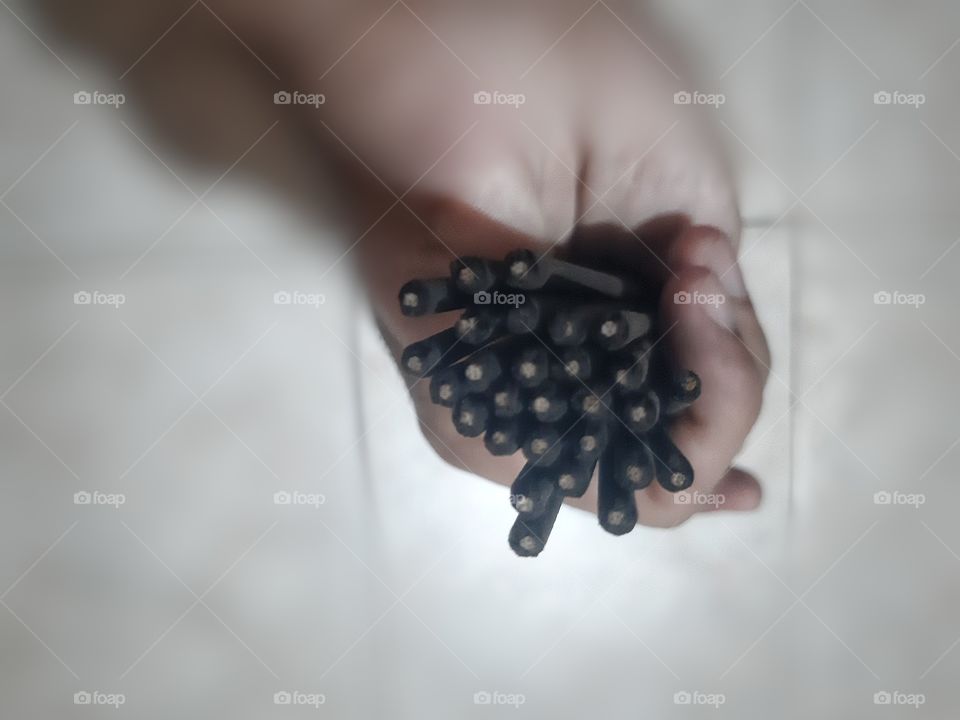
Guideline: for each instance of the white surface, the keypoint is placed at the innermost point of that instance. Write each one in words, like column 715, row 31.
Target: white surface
column 103, row 599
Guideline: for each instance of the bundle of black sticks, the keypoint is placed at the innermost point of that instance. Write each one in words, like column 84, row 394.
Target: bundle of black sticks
column 561, row 362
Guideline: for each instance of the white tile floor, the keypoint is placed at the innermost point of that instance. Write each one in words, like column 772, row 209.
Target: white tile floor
column 200, row 398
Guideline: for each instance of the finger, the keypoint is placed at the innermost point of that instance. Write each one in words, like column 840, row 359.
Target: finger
column 708, row 248
column 703, row 338
column 737, row 491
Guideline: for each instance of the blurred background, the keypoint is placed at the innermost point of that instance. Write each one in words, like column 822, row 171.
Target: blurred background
column 161, row 401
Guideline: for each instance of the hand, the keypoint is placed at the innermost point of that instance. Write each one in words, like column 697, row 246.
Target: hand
column 597, row 159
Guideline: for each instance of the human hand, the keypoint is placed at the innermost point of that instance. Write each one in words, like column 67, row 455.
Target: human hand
column 597, row 161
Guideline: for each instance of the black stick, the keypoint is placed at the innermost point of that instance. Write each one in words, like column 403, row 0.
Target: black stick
column 684, row 391
column 633, row 464
column 445, row 387
column 441, row 350
column 528, row 317
column 478, row 325
column 471, row 415
column 640, row 411
column 503, row 436
column 542, row 445
column 529, row 537
column 524, row 270
column 574, row 478
column 590, row 402
column 527, row 271
column 592, row 438
column 629, row 369
column 531, row 367
column 674, row 472
column 481, row 371
column 532, row 491
column 616, row 506
column 570, row 326
column 575, row 363
column 473, row 274
column 619, row 328
column 507, row 401
column 549, row 403
column 424, row 297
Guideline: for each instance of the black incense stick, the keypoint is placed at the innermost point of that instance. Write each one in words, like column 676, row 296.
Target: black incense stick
column 481, row 370
column 684, row 391
column 640, row 411
column 531, row 367
column 472, row 274
column 425, row 297
column 532, row 491
column 470, row 415
column 549, row 403
column 503, row 436
column 618, row 328
column 674, row 472
column 529, row 537
column 616, row 506
column 562, row 362
column 445, row 387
